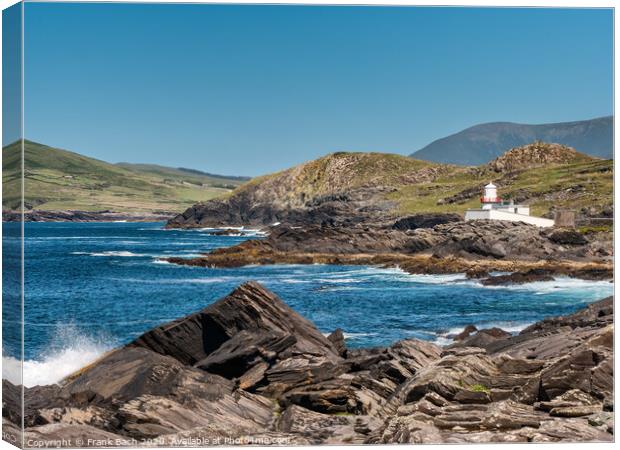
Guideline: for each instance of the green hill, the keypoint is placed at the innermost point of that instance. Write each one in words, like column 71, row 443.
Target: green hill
column 542, row 175
column 188, row 175
column 57, row 179
column 377, row 187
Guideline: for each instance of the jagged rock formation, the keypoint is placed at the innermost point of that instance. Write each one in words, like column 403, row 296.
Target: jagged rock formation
column 537, row 154
column 249, row 368
column 454, row 246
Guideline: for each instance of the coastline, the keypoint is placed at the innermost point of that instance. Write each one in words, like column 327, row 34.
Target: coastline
column 9, row 216
column 305, row 388
column 475, row 248
column 415, row 265
column 255, row 353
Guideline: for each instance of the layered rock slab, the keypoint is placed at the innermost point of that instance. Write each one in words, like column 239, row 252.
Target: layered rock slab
column 274, row 378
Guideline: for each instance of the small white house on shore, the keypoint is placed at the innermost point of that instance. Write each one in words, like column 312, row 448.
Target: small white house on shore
column 493, row 208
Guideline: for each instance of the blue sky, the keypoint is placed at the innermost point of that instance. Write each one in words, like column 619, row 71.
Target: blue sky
column 252, row 89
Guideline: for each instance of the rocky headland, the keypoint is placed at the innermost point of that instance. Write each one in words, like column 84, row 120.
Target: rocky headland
column 431, row 244
column 378, row 209
column 349, row 189
column 248, row 369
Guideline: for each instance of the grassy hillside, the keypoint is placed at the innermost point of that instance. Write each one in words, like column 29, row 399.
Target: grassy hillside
column 57, row 179
column 572, row 186
column 187, row 175
column 555, row 176
column 539, row 174
column 335, row 173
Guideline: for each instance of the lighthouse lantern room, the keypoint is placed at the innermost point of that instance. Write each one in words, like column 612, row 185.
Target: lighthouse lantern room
column 490, row 197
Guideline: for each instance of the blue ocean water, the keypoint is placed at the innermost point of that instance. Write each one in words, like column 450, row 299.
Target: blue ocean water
column 94, row 286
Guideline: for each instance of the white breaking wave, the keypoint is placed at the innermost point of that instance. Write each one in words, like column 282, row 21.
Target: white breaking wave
column 160, row 261
column 444, row 338
column 435, row 279
column 178, row 280
column 293, row 281
column 121, row 253
column 357, row 335
column 78, row 352
column 336, row 280
column 442, row 341
column 561, row 284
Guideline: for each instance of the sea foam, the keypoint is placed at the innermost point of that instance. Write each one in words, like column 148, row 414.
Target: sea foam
column 71, row 352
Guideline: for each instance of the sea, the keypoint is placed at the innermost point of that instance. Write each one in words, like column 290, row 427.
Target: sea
column 91, row 287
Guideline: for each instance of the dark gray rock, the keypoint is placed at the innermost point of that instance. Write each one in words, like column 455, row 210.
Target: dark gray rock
column 568, row 237
column 250, row 308
column 268, row 375
column 427, row 220
column 519, row 278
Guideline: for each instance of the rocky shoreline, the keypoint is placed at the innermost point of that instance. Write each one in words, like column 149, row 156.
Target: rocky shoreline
column 84, row 216
column 249, row 369
column 430, row 244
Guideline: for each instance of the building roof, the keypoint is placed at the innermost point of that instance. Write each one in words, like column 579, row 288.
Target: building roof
column 490, row 185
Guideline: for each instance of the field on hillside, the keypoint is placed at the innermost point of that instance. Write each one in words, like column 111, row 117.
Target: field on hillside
column 571, row 186
column 60, row 180
column 541, row 175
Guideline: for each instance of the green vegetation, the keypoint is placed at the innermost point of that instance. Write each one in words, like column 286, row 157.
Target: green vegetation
column 335, row 173
column 593, row 229
column 574, row 186
column 57, row 179
column 479, row 388
column 540, row 175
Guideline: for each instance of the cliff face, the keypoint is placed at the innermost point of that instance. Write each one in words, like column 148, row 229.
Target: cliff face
column 248, row 368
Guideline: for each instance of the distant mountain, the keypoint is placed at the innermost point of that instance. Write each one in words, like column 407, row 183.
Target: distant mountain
column 482, row 143
column 190, row 175
column 57, row 179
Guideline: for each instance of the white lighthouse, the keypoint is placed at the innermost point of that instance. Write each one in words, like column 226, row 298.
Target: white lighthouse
column 492, row 207
column 490, row 198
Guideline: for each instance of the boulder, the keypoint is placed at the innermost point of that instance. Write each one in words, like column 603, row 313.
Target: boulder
column 467, row 331
column 269, row 323
column 568, row 237
column 337, row 339
column 530, row 276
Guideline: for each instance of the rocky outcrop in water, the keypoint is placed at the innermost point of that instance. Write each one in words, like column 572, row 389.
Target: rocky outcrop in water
column 248, row 369
column 455, row 246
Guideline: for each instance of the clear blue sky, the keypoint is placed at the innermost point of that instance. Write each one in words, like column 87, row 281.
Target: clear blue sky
column 253, row 89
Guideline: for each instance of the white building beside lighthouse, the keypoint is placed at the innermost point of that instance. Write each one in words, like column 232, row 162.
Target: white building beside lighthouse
column 493, row 208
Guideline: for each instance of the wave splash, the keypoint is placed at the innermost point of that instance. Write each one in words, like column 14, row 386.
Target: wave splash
column 70, row 351
column 121, row 253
